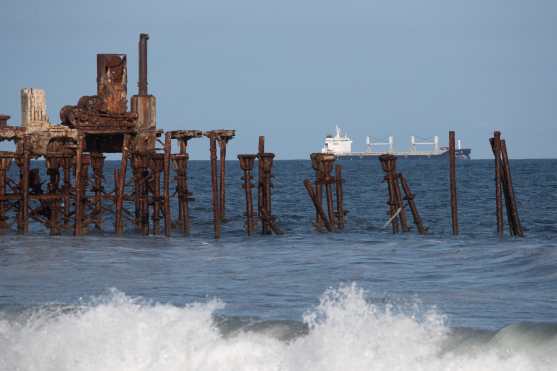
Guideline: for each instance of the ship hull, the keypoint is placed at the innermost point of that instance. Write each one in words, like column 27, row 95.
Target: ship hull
column 461, row 154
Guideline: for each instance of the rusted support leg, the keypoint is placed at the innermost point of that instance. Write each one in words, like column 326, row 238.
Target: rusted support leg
column 97, row 163
column 52, row 165
column 266, row 209
column 412, row 204
column 328, row 180
column 388, row 165
column 510, row 190
column 23, row 222
column 452, row 182
column 214, row 186
column 318, row 207
column 496, row 147
column 339, row 196
column 260, row 151
column 67, row 163
column 4, row 167
column 246, row 164
column 180, row 166
column 222, row 189
column 120, row 190
column 78, row 188
column 156, row 164
column 166, row 185
column 400, row 204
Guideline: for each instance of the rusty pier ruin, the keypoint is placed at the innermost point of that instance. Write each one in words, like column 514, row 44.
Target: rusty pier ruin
column 76, row 197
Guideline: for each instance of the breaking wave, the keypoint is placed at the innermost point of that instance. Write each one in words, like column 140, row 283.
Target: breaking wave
column 343, row 332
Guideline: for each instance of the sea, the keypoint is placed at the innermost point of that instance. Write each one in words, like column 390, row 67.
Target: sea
column 357, row 299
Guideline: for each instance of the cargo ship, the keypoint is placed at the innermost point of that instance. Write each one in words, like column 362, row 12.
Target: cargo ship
column 341, row 146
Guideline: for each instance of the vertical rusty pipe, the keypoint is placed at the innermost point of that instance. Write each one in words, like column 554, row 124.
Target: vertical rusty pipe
column 327, row 165
column 340, row 196
column 214, row 186
column 156, row 189
column 496, row 146
column 412, row 204
column 166, row 184
column 4, row 166
column 246, row 164
column 120, row 192
column 222, row 188
column 142, row 83
column 67, row 185
column 514, row 209
column 260, row 151
column 98, row 167
column 78, row 186
column 452, row 180
column 318, row 206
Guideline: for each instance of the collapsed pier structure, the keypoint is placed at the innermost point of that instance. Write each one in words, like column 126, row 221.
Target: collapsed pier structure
column 75, row 197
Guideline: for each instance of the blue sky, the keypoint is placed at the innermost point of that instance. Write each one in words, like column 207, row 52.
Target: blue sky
column 292, row 70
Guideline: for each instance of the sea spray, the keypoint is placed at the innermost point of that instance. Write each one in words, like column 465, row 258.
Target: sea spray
column 344, row 332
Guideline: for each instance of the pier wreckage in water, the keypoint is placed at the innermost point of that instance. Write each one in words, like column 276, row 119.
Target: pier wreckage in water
column 76, row 197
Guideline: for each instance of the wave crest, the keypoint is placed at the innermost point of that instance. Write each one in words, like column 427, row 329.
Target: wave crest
column 344, row 332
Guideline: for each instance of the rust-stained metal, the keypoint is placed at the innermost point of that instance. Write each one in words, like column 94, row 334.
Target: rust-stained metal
column 504, row 188
column 517, row 225
column 323, row 164
column 318, row 206
column 218, row 190
column 214, row 186
column 397, row 212
column 246, row 164
column 340, row 213
column 142, row 81
column 496, row 147
column 409, row 196
column 452, row 182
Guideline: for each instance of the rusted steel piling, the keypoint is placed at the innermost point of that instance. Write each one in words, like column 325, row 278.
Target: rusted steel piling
column 496, row 147
column 397, row 213
column 517, row 225
column 318, row 206
column 268, row 224
column 340, row 214
column 5, row 163
column 246, row 164
column 504, row 188
column 452, row 181
column 409, row 197
column 217, row 185
column 322, row 164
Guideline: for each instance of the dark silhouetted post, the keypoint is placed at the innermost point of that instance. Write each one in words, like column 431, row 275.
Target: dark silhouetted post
column 452, row 180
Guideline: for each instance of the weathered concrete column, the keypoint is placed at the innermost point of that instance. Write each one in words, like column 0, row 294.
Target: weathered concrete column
column 33, row 107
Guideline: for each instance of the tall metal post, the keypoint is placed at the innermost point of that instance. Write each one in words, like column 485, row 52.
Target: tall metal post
column 452, row 179
column 142, row 82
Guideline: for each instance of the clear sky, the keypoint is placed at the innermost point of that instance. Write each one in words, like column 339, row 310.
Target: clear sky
column 292, row 70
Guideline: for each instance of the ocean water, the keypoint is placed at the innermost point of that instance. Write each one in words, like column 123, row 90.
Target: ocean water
column 359, row 299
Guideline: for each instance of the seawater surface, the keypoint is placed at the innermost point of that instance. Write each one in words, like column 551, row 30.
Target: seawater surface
column 360, row 299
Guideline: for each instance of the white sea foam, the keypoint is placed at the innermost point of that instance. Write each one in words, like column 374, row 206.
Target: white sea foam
column 345, row 332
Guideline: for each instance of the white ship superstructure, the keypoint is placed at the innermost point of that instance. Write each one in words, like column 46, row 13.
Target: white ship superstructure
column 339, row 144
